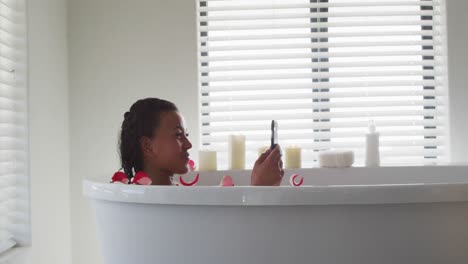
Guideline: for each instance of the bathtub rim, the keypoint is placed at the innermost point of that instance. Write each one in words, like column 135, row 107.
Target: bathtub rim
column 284, row 195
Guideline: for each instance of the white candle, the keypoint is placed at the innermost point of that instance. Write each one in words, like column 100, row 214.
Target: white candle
column 207, row 160
column 293, row 157
column 262, row 149
column 236, row 152
column 372, row 147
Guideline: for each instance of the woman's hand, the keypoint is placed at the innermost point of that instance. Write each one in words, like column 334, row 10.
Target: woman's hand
column 268, row 169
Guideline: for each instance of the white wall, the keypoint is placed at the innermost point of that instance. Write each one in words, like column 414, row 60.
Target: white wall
column 458, row 77
column 121, row 51
column 48, row 95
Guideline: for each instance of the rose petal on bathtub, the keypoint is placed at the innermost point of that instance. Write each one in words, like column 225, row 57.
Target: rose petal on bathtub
column 118, row 182
column 191, row 165
column 140, row 177
column 120, row 176
column 292, row 180
column 125, row 181
column 227, row 181
column 144, row 181
column 181, row 180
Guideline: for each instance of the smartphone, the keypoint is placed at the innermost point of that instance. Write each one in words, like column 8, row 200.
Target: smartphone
column 274, row 134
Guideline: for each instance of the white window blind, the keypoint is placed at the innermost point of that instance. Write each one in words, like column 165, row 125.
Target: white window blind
column 14, row 193
column 324, row 69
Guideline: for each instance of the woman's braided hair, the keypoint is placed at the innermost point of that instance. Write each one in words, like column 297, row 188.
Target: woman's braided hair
column 144, row 116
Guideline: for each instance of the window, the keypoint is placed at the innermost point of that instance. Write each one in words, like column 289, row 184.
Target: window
column 324, row 69
column 14, row 193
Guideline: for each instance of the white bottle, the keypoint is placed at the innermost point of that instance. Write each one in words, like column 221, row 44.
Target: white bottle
column 372, row 147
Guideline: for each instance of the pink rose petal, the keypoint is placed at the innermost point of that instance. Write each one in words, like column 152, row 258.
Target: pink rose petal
column 181, row 180
column 141, row 177
column 292, row 180
column 144, row 181
column 191, row 165
column 120, row 177
column 227, row 181
column 124, row 181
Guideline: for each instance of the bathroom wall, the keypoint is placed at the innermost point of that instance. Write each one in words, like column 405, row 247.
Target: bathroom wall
column 49, row 141
column 458, row 68
column 121, row 51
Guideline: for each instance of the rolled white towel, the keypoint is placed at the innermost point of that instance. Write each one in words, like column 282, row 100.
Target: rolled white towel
column 336, row 158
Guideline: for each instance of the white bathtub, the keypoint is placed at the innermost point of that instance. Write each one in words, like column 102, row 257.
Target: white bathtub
column 357, row 215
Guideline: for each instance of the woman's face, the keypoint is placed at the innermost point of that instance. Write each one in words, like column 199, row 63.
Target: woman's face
column 169, row 145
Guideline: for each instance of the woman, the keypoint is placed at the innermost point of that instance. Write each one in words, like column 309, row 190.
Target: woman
column 154, row 140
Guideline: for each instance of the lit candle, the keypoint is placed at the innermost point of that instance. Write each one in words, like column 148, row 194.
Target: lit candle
column 207, row 160
column 293, row 157
column 262, row 149
column 236, row 152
